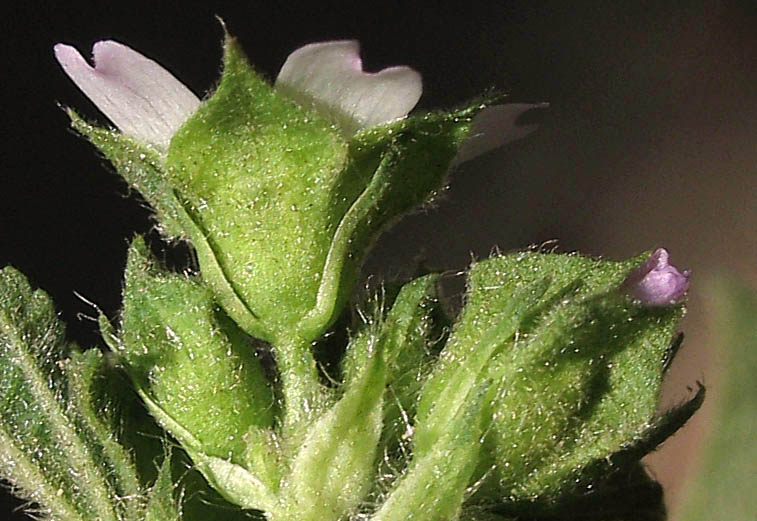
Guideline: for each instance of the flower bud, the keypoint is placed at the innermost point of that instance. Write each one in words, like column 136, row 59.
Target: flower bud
column 656, row 282
column 190, row 360
column 281, row 190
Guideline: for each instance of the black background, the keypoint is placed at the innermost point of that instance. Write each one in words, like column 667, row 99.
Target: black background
column 650, row 139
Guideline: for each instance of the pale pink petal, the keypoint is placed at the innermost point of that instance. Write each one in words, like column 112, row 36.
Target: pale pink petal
column 493, row 127
column 140, row 97
column 329, row 77
column 657, row 282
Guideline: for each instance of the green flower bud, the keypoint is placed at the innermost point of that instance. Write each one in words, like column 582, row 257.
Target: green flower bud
column 287, row 205
column 190, row 360
column 577, row 366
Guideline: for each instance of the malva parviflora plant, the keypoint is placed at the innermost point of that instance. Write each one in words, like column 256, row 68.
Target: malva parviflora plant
column 537, row 401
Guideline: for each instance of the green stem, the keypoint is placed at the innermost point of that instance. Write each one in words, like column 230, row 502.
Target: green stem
column 301, row 389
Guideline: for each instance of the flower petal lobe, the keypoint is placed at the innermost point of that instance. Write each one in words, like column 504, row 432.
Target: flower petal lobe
column 329, row 77
column 138, row 95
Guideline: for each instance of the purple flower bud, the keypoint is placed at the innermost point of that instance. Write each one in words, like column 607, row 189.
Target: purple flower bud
column 656, row 282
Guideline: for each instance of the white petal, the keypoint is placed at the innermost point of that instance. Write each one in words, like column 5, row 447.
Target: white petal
column 140, row 97
column 493, row 127
column 329, row 77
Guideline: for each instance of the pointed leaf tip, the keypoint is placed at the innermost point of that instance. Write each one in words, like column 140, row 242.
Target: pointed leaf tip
column 138, row 95
column 329, row 77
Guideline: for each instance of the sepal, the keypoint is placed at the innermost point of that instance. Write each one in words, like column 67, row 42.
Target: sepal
column 232, row 481
column 287, row 205
column 255, row 172
column 141, row 167
column 280, row 205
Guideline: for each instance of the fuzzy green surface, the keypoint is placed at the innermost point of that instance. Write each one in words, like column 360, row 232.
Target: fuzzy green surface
column 408, row 329
column 542, row 400
column 436, row 482
column 577, row 379
column 287, row 206
column 141, row 167
column 192, row 360
column 162, row 506
column 257, row 174
column 280, row 208
column 58, row 429
column 336, row 465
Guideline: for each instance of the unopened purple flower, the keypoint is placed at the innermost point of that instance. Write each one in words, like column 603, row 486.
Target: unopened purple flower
column 656, row 282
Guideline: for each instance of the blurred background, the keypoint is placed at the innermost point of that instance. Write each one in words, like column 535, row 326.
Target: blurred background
column 650, row 140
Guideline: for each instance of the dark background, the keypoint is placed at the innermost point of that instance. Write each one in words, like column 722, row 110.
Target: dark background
column 651, row 139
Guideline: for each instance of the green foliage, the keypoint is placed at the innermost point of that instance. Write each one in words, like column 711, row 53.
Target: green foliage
column 409, row 330
column 161, row 504
column 335, row 467
column 538, row 403
column 577, row 367
column 543, row 399
column 436, row 481
column 280, row 208
column 142, row 167
column 58, row 444
column 256, row 174
column 728, row 468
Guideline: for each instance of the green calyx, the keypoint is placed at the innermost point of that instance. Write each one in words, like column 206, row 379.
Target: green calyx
column 279, row 206
column 542, row 398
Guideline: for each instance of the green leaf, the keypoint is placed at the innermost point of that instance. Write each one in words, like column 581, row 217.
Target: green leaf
column 141, row 166
column 144, row 169
column 200, row 502
column 335, row 467
column 457, row 376
column 96, row 415
column 397, row 168
column 406, row 335
column 182, row 351
column 407, row 331
column 725, row 479
column 41, row 450
column 60, row 446
column 161, row 504
column 435, row 484
column 232, row 481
